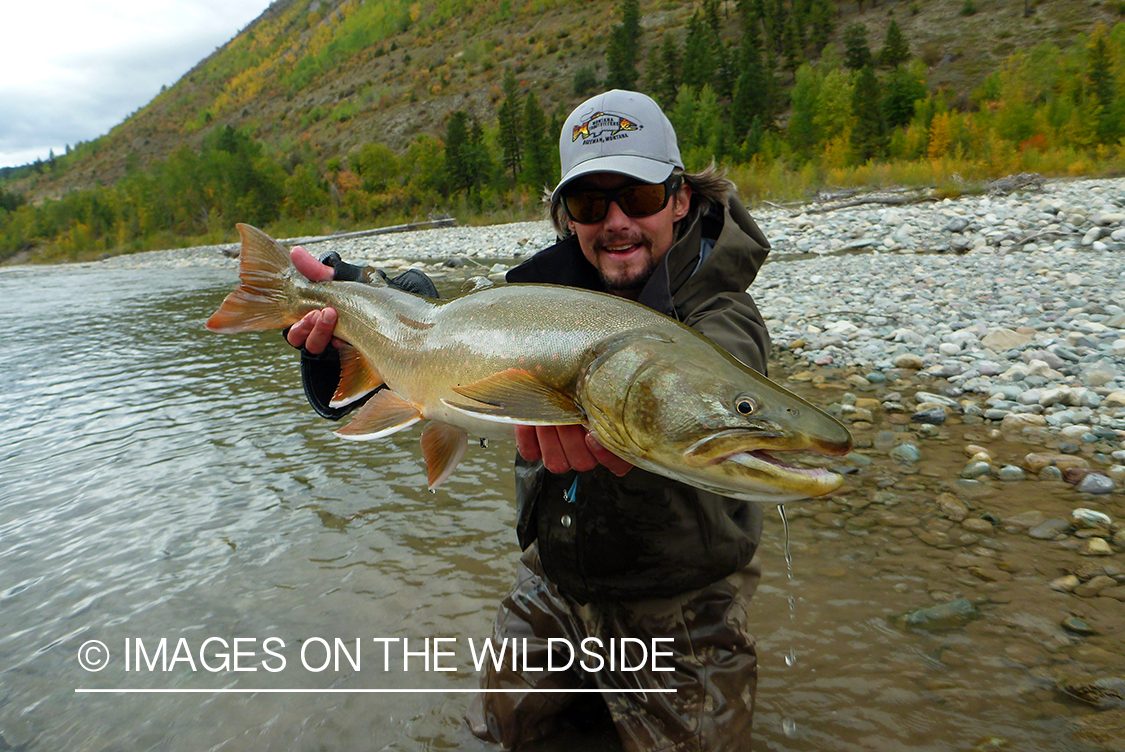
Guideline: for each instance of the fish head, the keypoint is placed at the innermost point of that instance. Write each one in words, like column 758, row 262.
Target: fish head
column 715, row 422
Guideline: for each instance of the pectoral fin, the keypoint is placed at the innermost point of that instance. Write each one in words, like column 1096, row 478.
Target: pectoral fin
column 357, row 378
column 516, row 396
column 384, row 414
column 443, row 446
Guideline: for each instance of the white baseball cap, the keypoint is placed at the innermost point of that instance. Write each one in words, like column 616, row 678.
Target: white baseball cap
column 619, row 131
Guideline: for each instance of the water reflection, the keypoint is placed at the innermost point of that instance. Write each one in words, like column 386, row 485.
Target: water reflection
column 159, row 481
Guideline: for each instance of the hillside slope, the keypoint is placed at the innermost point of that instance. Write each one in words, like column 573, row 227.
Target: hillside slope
column 330, row 75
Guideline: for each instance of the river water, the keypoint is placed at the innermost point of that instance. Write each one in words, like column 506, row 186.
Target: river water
column 159, row 482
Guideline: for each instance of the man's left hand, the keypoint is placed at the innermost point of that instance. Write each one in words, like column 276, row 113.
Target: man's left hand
column 564, row 448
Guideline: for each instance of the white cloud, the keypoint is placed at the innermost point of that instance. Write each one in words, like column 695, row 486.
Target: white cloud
column 72, row 69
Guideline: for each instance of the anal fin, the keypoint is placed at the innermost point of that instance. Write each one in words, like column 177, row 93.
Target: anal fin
column 382, row 415
column 443, row 446
column 357, row 377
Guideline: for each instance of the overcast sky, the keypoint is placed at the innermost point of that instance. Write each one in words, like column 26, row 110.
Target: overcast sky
column 72, row 69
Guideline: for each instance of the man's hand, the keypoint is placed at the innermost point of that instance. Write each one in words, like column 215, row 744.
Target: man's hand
column 565, row 448
column 314, row 331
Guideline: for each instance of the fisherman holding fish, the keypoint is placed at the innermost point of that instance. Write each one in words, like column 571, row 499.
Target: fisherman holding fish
column 610, row 550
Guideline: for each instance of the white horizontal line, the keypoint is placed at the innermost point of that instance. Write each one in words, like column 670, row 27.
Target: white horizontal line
column 135, row 691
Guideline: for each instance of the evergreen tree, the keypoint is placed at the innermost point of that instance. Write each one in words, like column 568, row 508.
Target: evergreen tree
column 1099, row 75
column 458, row 167
column 752, row 92
column 753, row 143
column 723, row 79
column 538, row 165
column 775, row 15
column 624, row 48
column 478, row 160
column 665, row 74
column 869, row 131
column 706, row 60
column 902, row 89
column 856, row 52
column 509, row 118
column 822, row 23
column 896, row 50
column 699, row 63
column 794, row 54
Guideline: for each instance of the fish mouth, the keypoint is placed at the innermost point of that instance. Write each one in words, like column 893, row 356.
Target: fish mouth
column 727, row 452
column 758, row 456
column 759, row 442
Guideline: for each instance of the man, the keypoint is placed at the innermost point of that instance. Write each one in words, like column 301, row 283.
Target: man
column 611, row 551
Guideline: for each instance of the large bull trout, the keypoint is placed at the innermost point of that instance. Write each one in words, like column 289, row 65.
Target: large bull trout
column 650, row 389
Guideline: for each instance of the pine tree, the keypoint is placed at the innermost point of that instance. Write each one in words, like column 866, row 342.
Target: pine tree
column 723, row 79
column 477, row 158
column 665, row 75
column 699, row 62
column 794, row 55
column 856, row 52
column 896, row 50
column 751, row 93
column 458, row 171
column 1099, row 72
column 902, row 89
column 624, row 48
column 537, row 165
column 822, row 22
column 775, row 15
column 511, row 128
column 869, row 132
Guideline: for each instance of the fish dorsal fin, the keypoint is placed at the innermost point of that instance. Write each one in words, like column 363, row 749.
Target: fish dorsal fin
column 443, row 446
column 357, row 377
column 516, row 396
column 384, row 414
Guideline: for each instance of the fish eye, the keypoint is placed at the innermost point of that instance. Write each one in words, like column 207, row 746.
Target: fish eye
column 744, row 406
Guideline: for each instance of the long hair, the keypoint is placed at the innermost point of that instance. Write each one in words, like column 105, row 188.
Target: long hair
column 710, row 188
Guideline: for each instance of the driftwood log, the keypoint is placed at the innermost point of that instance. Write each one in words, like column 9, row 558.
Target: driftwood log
column 829, row 201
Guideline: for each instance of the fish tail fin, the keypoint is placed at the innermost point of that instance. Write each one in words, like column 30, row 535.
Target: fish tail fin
column 261, row 299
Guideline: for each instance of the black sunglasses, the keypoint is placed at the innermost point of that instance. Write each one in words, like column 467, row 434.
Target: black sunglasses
column 638, row 200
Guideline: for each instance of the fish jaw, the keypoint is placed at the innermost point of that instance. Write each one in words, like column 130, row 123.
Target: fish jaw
column 745, row 459
column 676, row 406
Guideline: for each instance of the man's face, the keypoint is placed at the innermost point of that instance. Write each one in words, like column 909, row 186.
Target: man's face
column 625, row 250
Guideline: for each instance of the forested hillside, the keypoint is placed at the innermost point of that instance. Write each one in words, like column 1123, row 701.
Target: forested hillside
column 323, row 115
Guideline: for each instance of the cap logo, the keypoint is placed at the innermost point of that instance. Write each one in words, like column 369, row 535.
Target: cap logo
column 604, row 126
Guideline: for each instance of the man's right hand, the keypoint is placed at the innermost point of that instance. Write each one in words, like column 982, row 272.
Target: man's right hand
column 564, row 448
column 314, row 331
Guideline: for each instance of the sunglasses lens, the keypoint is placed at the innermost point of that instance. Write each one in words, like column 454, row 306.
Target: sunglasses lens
column 642, row 200
column 587, row 208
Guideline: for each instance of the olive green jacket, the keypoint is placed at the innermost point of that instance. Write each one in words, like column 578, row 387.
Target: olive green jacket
column 601, row 537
